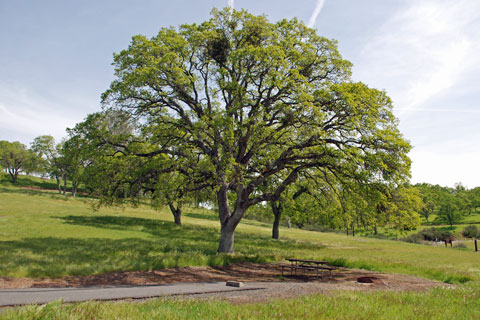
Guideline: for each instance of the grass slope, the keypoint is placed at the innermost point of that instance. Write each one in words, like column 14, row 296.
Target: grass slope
column 43, row 234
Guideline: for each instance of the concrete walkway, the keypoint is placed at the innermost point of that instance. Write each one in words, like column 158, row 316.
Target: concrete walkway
column 15, row 297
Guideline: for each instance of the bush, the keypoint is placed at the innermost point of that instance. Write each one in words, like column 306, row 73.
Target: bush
column 430, row 234
column 433, row 234
column 414, row 238
column 470, row 232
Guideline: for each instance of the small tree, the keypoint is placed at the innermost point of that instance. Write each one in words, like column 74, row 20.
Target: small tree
column 46, row 148
column 470, row 231
column 73, row 155
column 16, row 158
column 448, row 210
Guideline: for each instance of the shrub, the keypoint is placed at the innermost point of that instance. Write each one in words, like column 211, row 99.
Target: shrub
column 470, row 231
column 430, row 234
column 414, row 238
column 460, row 245
column 433, row 234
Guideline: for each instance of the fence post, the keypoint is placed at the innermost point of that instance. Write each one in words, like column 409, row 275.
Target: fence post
column 476, row 248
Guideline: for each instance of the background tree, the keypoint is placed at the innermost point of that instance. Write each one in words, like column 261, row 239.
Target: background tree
column 255, row 101
column 463, row 198
column 430, row 197
column 288, row 200
column 405, row 206
column 46, row 148
column 117, row 166
column 475, row 198
column 74, row 159
column 449, row 208
column 89, row 153
column 16, row 158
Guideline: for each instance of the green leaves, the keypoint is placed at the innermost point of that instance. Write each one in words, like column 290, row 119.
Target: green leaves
column 16, row 158
column 259, row 103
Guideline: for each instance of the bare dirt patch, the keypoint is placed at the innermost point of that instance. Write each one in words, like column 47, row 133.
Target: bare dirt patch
column 37, row 188
column 269, row 275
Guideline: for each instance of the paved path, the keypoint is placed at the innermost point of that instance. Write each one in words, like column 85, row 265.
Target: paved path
column 12, row 297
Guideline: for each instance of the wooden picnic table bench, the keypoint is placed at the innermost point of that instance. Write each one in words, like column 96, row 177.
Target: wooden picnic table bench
column 297, row 266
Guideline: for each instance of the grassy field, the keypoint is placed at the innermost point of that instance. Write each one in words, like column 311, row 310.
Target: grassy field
column 462, row 303
column 43, row 234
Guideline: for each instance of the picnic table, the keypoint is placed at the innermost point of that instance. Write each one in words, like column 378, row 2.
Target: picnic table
column 302, row 266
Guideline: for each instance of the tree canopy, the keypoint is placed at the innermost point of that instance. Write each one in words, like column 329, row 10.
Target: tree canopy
column 255, row 103
column 16, row 158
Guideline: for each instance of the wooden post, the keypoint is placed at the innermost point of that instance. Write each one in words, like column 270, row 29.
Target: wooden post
column 476, row 248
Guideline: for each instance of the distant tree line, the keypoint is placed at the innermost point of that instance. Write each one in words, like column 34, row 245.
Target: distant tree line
column 46, row 158
column 449, row 205
column 94, row 150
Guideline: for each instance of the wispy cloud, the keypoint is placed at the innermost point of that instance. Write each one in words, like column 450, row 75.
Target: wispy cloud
column 423, row 50
column 25, row 114
column 425, row 56
column 442, row 110
column 316, row 12
column 445, row 168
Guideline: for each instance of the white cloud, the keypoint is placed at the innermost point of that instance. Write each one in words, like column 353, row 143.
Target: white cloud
column 316, row 12
column 443, row 110
column 426, row 57
column 25, row 115
column 446, row 169
column 422, row 51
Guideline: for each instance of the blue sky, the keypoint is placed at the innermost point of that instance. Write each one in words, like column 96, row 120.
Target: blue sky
column 56, row 61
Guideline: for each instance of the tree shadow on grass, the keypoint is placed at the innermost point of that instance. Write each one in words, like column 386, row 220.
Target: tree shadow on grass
column 33, row 192
column 214, row 217
column 171, row 246
column 198, row 215
column 53, row 194
column 24, row 181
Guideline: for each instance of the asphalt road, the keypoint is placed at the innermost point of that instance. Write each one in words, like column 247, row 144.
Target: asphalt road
column 15, row 297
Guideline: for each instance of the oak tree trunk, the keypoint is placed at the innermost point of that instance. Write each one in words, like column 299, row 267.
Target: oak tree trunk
column 177, row 213
column 74, row 189
column 59, row 186
column 229, row 220
column 227, row 237
column 14, row 174
column 277, row 213
column 64, row 175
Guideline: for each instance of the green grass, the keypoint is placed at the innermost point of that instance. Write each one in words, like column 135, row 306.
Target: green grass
column 31, row 181
column 463, row 303
column 43, row 234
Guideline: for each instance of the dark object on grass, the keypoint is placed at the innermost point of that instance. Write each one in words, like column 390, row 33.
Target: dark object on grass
column 235, row 284
column 368, row 279
column 449, row 240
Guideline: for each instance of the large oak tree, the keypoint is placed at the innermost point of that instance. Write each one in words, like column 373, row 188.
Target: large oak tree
column 254, row 102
